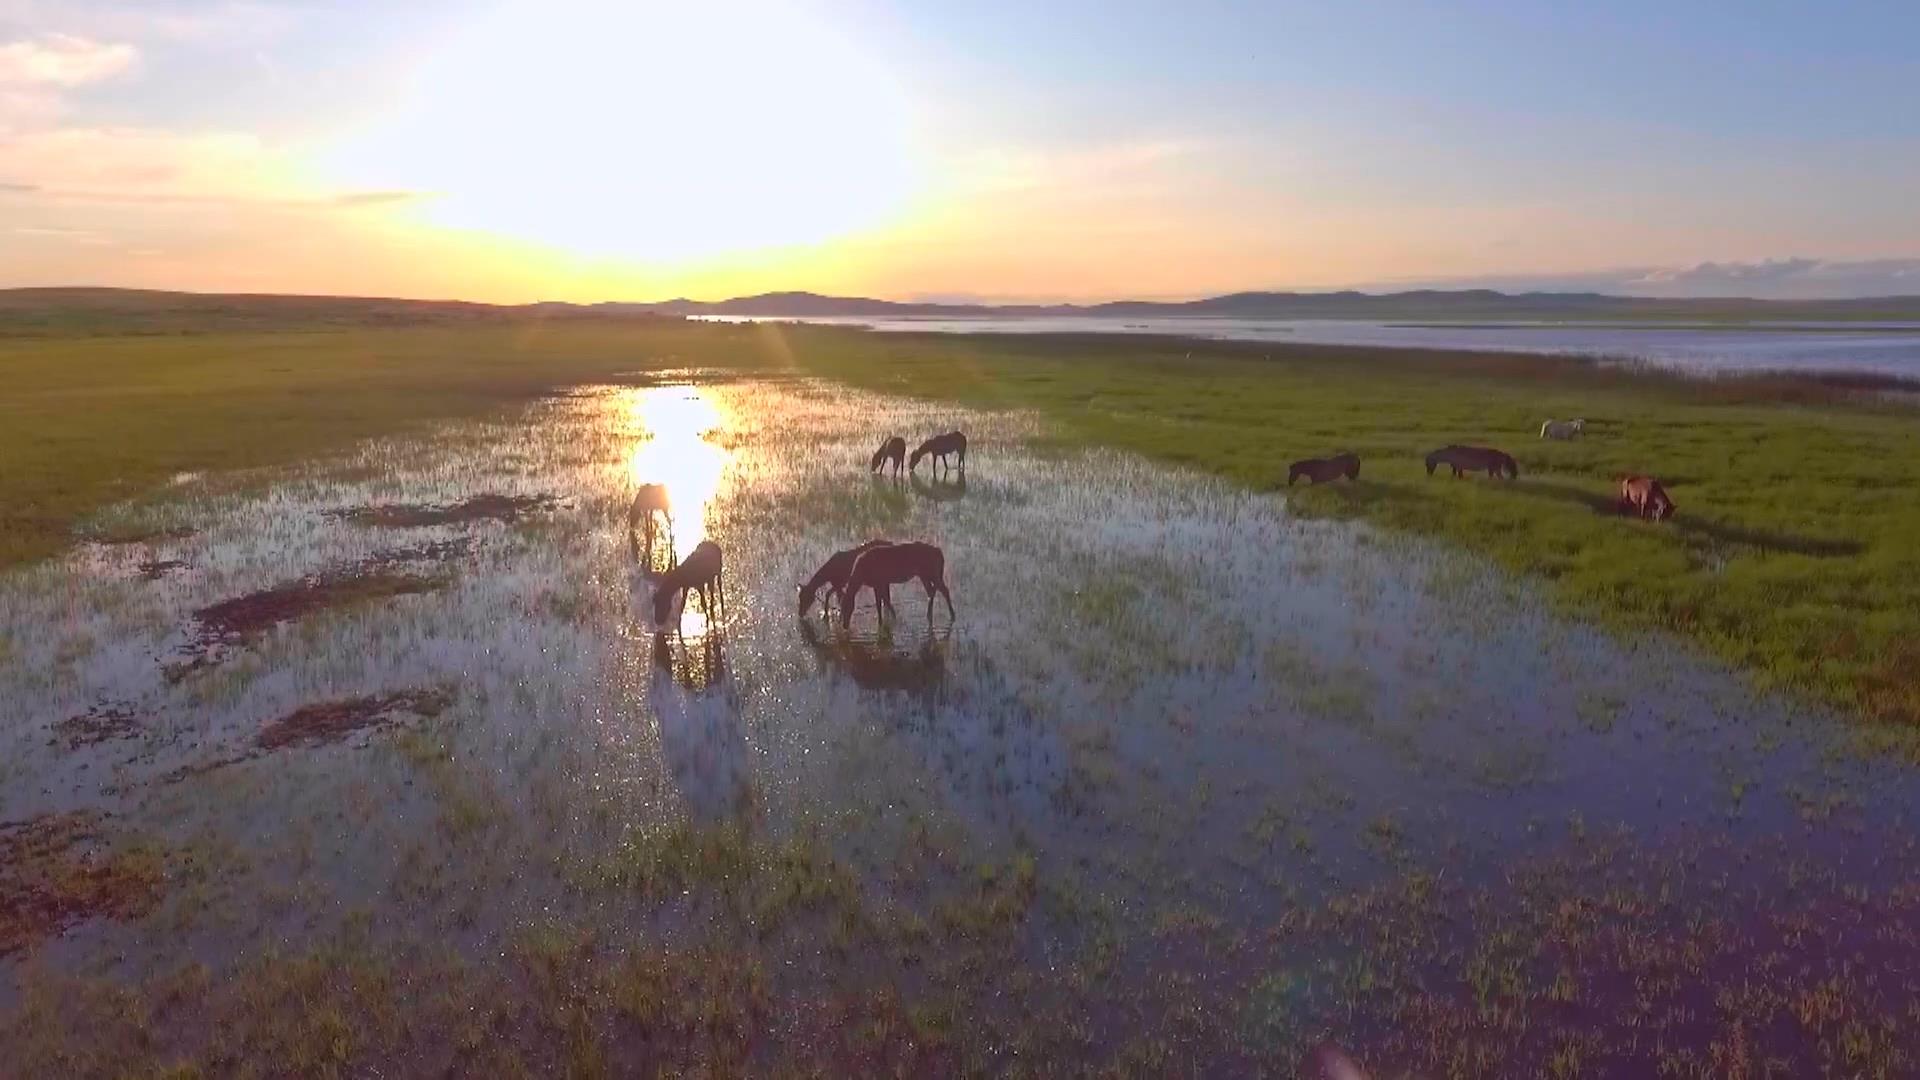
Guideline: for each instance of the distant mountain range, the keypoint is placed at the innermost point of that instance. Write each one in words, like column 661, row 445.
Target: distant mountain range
column 36, row 312
column 1439, row 305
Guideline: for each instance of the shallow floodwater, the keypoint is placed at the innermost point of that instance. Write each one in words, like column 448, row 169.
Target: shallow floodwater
column 1187, row 784
column 1890, row 348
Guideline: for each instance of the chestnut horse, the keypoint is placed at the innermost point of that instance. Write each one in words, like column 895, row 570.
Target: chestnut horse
column 699, row 572
column 894, row 450
column 1320, row 470
column 883, row 567
column 1466, row 459
column 1644, row 496
column 940, row 446
column 832, row 576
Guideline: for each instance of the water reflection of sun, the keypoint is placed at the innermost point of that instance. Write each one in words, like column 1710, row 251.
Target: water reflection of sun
column 674, row 422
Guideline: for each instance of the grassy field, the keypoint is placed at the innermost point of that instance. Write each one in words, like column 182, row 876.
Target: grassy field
column 1793, row 554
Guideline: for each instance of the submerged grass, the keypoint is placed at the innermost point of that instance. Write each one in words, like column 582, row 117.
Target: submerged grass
column 1792, row 554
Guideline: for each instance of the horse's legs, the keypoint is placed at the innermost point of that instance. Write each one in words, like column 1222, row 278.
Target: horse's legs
column 848, row 597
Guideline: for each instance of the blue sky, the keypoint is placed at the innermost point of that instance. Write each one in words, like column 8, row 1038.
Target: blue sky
column 585, row 149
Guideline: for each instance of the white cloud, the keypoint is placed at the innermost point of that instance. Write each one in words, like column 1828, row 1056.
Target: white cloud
column 62, row 61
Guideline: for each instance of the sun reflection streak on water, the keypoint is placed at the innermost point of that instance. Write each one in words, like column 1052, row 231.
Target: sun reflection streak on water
column 675, row 424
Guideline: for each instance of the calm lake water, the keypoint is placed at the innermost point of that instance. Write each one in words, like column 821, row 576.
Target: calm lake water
column 1892, row 348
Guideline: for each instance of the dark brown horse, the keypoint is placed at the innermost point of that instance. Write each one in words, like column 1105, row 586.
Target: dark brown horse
column 832, row 576
column 939, row 447
column 1320, row 470
column 698, row 572
column 1466, row 459
column 894, row 450
column 1644, row 496
column 884, row 567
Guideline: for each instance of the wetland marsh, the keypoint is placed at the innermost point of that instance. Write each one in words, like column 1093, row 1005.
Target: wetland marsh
column 375, row 761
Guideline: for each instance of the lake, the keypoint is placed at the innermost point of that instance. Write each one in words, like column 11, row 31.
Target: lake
column 1892, row 348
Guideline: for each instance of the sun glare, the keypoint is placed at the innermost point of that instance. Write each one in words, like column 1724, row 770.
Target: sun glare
column 653, row 132
column 674, row 422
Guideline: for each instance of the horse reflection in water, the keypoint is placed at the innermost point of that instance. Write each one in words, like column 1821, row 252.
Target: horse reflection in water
column 880, row 664
column 696, row 706
column 698, row 711
column 952, row 488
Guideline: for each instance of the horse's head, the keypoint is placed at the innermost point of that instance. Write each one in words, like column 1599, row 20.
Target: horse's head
column 1665, row 509
column 1293, row 474
column 1433, row 462
column 913, row 459
column 662, row 605
column 807, row 594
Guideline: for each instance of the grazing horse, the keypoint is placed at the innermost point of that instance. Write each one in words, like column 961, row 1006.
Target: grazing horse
column 884, row 567
column 894, row 450
column 940, row 446
column 832, row 576
column 651, row 499
column 1466, row 459
column 1644, row 496
column 699, row 572
column 1320, row 470
column 1562, row 429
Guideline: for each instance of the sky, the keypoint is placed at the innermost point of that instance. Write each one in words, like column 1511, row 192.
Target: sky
column 519, row 150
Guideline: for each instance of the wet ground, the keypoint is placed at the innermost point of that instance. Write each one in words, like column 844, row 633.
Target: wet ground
column 382, row 761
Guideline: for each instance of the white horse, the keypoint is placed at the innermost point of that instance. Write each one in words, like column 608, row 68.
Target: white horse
column 1562, row 429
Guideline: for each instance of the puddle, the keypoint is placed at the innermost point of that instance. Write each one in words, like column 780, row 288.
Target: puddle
column 1187, row 785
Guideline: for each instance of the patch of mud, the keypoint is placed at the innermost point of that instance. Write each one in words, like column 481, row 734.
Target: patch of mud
column 329, row 722
column 232, row 623
column 490, row 507
column 58, row 870
column 332, row 721
column 102, row 723
column 155, row 569
column 438, row 551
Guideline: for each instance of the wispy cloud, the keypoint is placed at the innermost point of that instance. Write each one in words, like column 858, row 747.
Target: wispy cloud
column 75, row 236
column 62, row 61
column 377, row 198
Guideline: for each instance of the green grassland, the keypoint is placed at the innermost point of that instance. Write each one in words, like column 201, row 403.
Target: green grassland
column 1795, row 554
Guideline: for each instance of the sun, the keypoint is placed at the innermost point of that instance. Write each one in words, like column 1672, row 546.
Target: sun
column 646, row 131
